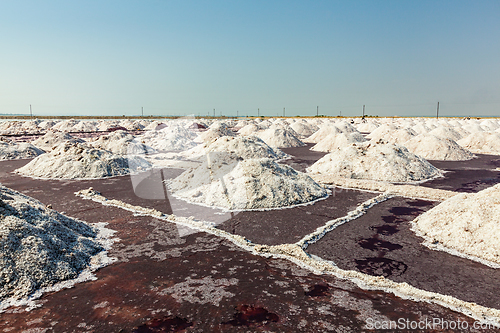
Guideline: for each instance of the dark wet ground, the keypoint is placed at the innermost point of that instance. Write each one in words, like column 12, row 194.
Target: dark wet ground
column 303, row 156
column 169, row 279
column 467, row 176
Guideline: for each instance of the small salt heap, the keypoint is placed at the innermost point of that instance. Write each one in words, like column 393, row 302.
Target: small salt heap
column 52, row 139
column 216, row 130
column 431, row 147
column 174, row 137
column 482, row 143
column 279, row 137
column 121, row 143
column 335, row 141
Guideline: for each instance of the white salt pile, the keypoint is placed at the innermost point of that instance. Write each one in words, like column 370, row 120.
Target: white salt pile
column 216, row 130
column 399, row 136
column 334, row 141
column 66, row 125
column 10, row 150
column 303, row 129
column 52, row 139
column 322, row 133
column 280, row 137
column 381, row 131
column 230, row 183
column 482, row 143
column 174, row 137
column 467, row 223
column 250, row 129
column 40, row 247
column 245, row 147
column 78, row 161
column 85, row 126
column 431, row 147
column 446, row 133
column 121, row 143
column 376, row 161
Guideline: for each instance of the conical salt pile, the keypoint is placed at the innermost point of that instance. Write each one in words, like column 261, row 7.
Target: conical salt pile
column 431, row 147
column 10, row 150
column 337, row 141
column 279, row 137
column 121, row 143
column 482, row 143
column 376, row 161
column 230, row 183
column 52, row 139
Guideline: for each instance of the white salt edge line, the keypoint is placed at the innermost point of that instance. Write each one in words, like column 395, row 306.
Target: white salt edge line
column 363, row 281
column 99, row 178
column 332, row 224
column 97, row 261
column 439, row 247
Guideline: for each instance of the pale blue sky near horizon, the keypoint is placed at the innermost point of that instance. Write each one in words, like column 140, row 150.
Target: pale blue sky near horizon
column 188, row 57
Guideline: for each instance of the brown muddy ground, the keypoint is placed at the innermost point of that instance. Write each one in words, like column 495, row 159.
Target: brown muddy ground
column 170, row 279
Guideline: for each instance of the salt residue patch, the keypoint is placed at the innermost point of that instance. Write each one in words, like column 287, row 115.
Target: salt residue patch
column 433, row 148
column 52, row 139
column 75, row 161
column 482, row 142
column 41, row 247
column 468, row 223
column 280, row 138
column 376, row 161
column 10, row 150
column 335, row 141
column 227, row 182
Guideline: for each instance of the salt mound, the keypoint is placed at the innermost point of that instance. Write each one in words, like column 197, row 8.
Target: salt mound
column 467, row 223
column 66, row 125
column 322, row 133
column 482, row 143
column 121, row 143
column 85, row 126
column 367, row 127
column 249, row 129
column 40, row 247
column 303, row 129
column 376, row 161
column 431, row 147
column 70, row 161
column 446, row 133
column 230, row 183
column 335, row 141
column 216, row 130
column 53, row 139
column 245, row 147
column 381, row 131
column 172, row 138
column 280, row 138
column 10, row 150
column 399, row 136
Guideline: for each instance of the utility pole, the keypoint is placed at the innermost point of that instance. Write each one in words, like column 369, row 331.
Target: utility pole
column 437, row 112
column 363, row 111
column 341, row 113
column 142, row 111
column 283, row 112
column 317, row 111
column 258, row 112
column 214, row 113
column 31, row 113
column 237, row 114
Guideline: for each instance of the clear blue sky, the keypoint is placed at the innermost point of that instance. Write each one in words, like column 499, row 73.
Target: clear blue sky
column 189, row 57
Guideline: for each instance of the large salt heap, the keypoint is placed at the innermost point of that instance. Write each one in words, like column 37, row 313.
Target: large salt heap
column 40, row 247
column 467, row 222
column 431, row 147
column 174, row 137
column 216, row 130
column 52, row 139
column 245, row 147
column 10, row 150
column 75, row 161
column 232, row 183
column 376, row 161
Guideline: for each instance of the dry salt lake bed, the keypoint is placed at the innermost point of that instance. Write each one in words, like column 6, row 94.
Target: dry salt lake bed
column 277, row 225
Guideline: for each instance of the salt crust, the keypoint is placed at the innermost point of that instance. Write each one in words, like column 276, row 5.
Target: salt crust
column 10, row 150
column 468, row 223
column 376, row 161
column 79, row 161
column 431, row 147
column 52, row 139
column 295, row 253
column 231, row 183
column 43, row 250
